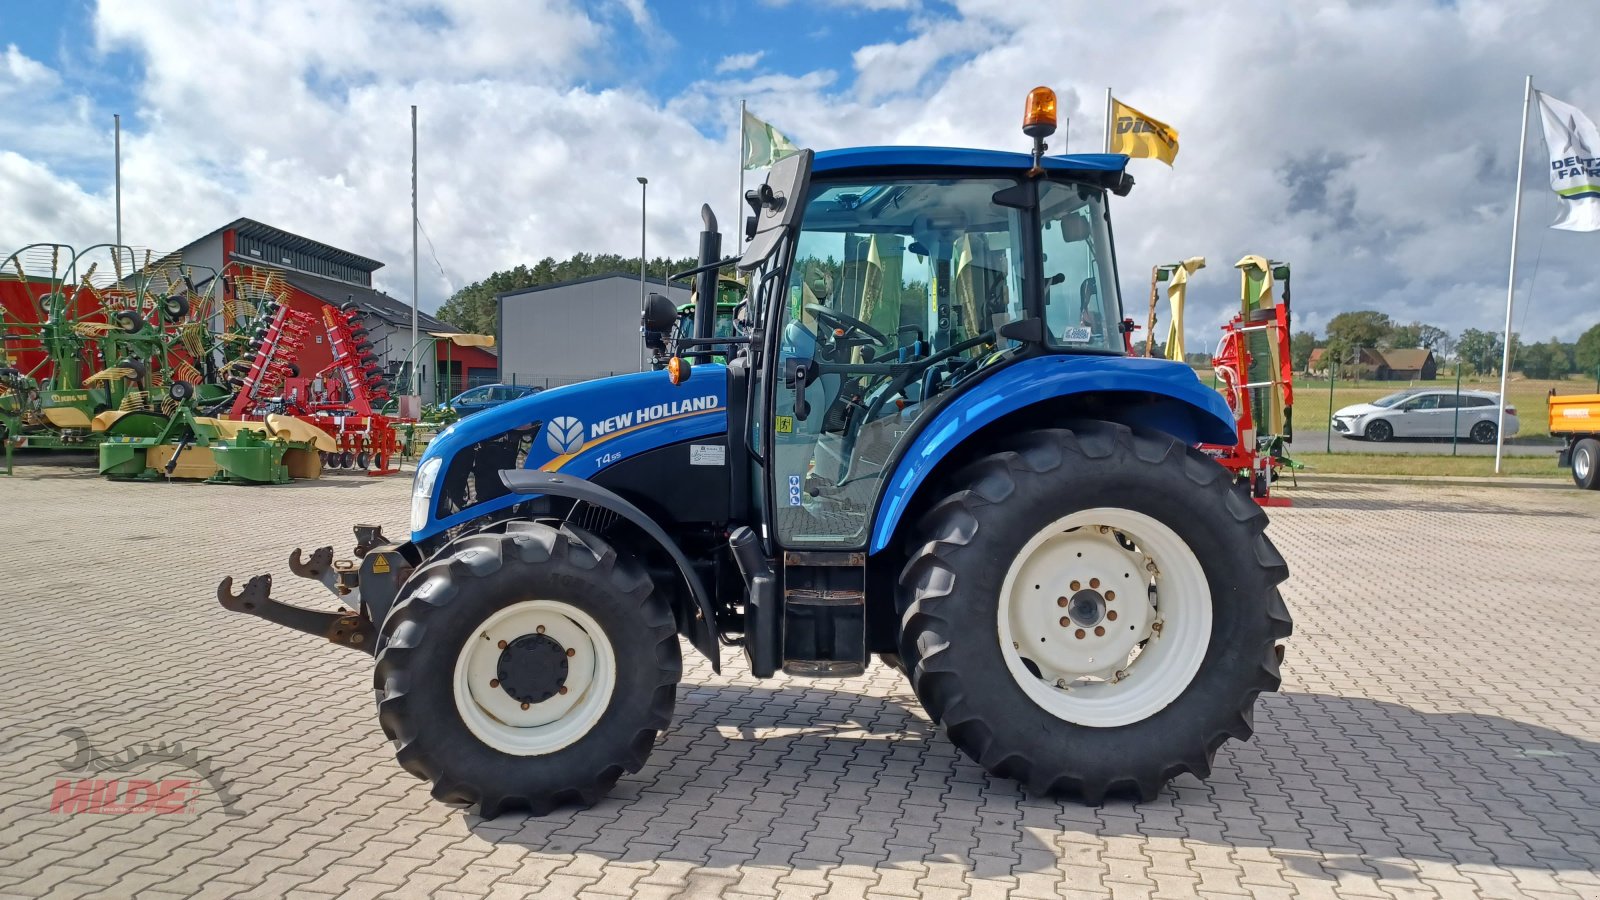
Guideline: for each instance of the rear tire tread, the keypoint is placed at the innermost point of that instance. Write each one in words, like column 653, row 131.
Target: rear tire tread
column 930, row 578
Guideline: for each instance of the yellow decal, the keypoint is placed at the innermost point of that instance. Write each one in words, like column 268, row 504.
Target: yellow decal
column 785, row 424
column 380, row 565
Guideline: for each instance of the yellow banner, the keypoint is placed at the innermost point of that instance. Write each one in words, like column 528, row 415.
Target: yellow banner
column 1138, row 135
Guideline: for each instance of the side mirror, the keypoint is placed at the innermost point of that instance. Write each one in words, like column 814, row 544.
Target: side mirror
column 778, row 203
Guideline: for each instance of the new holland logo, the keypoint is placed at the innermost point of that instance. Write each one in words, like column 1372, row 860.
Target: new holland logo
column 564, row 434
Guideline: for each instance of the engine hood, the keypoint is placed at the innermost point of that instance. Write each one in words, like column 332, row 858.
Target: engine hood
column 582, row 428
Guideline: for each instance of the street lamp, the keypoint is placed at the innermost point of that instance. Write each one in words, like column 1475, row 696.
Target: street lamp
column 644, row 188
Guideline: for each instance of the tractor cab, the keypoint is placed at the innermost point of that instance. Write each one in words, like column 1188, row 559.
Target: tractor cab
column 907, row 274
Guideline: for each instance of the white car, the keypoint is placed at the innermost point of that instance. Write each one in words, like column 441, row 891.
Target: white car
column 1426, row 414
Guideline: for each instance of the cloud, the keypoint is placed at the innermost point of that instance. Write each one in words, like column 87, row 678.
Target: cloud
column 1365, row 143
column 739, row 62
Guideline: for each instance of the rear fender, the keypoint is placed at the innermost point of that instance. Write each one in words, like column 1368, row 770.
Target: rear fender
column 700, row 622
column 1152, row 394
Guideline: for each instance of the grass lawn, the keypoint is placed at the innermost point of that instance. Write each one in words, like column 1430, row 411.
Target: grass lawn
column 1407, row 464
column 1527, row 396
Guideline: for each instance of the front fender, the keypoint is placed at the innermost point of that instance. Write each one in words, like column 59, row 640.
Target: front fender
column 701, row 626
column 1162, row 395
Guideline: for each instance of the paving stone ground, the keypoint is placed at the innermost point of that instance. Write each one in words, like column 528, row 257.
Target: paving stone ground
column 1438, row 731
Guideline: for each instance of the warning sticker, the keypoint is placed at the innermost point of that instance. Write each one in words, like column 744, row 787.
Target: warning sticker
column 794, row 490
column 380, row 565
column 707, row 455
column 784, row 424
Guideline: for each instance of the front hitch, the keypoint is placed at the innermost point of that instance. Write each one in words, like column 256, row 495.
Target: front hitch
column 345, row 628
column 369, row 584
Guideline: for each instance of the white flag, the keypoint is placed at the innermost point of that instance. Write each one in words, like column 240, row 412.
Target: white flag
column 763, row 144
column 1574, row 146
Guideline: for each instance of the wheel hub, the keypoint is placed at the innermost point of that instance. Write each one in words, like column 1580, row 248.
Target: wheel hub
column 1086, row 608
column 1104, row 616
column 534, row 677
column 532, row 668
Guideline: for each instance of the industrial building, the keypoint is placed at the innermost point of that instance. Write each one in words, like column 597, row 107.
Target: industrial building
column 575, row 330
column 319, row 274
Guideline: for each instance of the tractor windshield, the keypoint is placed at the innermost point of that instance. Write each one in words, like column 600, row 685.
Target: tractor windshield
column 896, row 294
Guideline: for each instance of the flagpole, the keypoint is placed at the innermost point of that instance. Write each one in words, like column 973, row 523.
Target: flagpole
column 738, row 206
column 1511, row 280
column 116, row 124
column 416, row 299
column 1109, row 123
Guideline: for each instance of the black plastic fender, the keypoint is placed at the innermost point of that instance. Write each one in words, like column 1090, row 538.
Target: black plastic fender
column 702, row 625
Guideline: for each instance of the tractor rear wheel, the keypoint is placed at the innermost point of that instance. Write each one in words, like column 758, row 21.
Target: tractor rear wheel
column 526, row 669
column 1093, row 611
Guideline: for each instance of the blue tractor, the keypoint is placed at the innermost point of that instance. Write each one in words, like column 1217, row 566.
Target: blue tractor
column 931, row 448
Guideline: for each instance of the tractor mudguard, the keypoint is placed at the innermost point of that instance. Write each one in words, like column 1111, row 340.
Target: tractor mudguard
column 701, row 624
column 1162, row 396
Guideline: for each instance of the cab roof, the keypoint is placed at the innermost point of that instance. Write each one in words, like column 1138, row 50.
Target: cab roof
column 962, row 158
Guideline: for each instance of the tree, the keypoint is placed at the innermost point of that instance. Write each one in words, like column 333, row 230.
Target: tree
column 1362, row 328
column 1432, row 337
column 1547, row 360
column 1481, row 350
column 1418, row 334
column 1300, row 346
column 1587, row 352
column 474, row 308
column 1535, row 361
column 1404, row 337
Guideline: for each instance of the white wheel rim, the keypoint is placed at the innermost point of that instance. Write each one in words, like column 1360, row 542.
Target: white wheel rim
column 1149, row 643
column 535, row 728
column 1581, row 463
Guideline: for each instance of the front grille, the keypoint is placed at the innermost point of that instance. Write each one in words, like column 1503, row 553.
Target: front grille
column 473, row 475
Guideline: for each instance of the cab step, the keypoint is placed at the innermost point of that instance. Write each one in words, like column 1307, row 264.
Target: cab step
column 824, row 613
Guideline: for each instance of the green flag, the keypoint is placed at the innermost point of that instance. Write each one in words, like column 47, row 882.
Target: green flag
column 763, row 144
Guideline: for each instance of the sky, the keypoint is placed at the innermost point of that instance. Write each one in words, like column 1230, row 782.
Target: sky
column 1373, row 145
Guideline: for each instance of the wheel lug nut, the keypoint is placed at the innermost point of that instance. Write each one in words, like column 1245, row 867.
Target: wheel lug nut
column 1062, row 602
column 571, row 652
column 1099, row 631
column 1111, row 615
column 540, row 629
column 501, row 645
column 1075, row 586
column 1079, row 634
column 1094, row 582
column 526, row 705
column 1110, row 596
column 562, row 689
column 1066, row 622
column 494, row 682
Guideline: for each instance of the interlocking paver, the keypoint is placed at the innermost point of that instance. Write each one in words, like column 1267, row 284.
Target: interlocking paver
column 1430, row 740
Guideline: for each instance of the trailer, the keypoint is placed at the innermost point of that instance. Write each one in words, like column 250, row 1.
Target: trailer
column 1575, row 418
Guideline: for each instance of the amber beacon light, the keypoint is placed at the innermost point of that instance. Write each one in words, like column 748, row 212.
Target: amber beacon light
column 1039, row 117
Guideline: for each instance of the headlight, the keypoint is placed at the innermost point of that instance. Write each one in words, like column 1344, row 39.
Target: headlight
column 422, row 491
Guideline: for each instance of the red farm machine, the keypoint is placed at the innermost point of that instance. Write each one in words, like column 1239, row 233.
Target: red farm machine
column 343, row 398
column 1252, row 366
column 1255, row 374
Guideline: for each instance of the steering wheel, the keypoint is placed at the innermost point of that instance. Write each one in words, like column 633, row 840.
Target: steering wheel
column 849, row 323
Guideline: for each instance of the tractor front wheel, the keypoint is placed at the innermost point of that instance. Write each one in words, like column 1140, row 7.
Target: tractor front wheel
column 1093, row 611
column 526, row 669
